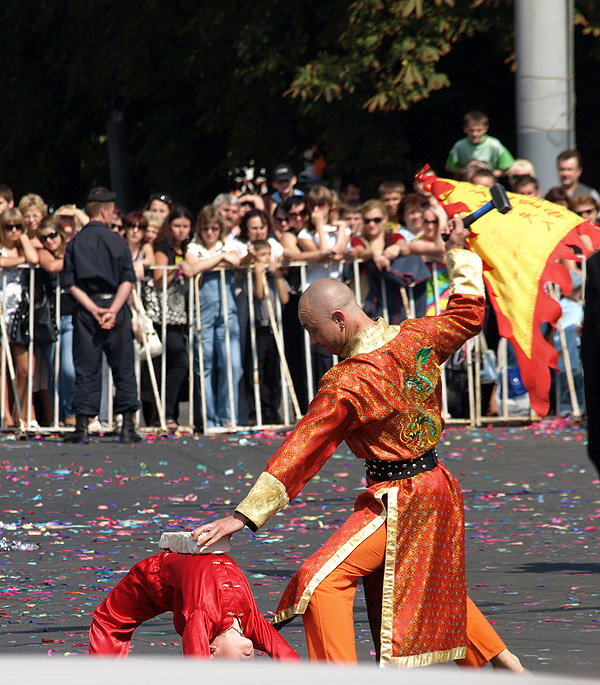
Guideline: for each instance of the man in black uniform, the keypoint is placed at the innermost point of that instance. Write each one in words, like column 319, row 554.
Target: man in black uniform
column 99, row 274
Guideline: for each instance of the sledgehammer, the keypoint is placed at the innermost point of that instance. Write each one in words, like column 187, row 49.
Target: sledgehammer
column 499, row 201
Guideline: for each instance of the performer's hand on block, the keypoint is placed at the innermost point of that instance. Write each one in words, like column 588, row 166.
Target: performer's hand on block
column 184, row 543
column 212, row 532
column 456, row 232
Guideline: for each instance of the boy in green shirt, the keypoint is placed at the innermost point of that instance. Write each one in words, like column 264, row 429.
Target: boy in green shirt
column 478, row 150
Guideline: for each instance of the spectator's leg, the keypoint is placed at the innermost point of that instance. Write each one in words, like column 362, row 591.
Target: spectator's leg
column 223, row 409
column 177, row 367
column 118, row 348
column 88, row 339
column 293, row 335
column 49, row 353
column 66, row 378
column 270, row 377
column 21, row 361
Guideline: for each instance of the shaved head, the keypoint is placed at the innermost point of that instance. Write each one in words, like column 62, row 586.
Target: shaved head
column 330, row 314
column 325, row 296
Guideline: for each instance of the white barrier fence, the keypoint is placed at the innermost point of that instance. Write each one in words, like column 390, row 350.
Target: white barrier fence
column 470, row 371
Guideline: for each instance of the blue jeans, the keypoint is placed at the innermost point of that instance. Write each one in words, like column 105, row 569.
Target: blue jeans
column 66, row 378
column 212, row 320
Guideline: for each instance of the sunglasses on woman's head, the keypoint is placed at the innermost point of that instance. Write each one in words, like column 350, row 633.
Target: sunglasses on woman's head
column 163, row 197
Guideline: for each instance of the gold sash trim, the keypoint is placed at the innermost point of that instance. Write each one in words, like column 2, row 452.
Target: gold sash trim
column 332, row 563
column 389, row 572
column 427, row 659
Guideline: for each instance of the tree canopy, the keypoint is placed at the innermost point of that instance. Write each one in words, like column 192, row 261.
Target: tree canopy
column 206, row 86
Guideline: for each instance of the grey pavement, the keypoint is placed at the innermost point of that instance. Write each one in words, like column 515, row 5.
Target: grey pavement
column 532, row 505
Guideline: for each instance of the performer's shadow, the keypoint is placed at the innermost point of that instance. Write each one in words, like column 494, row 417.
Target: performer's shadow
column 573, row 568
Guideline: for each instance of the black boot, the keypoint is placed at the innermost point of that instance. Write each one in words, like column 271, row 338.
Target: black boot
column 128, row 433
column 80, row 434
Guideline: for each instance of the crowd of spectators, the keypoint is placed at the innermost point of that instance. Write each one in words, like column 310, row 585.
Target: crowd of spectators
column 396, row 235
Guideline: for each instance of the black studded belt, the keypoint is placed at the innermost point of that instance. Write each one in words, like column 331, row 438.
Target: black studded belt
column 379, row 470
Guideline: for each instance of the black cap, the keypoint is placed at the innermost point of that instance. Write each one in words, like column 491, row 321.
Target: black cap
column 101, row 194
column 283, row 171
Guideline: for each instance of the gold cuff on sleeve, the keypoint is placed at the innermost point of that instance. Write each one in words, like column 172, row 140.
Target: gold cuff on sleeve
column 267, row 496
column 464, row 271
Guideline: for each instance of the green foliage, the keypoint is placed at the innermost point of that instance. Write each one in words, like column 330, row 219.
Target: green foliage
column 387, row 52
column 207, row 86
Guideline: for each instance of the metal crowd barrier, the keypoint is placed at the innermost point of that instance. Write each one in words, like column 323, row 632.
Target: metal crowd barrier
column 289, row 404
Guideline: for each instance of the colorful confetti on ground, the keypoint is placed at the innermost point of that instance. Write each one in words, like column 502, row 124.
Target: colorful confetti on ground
column 74, row 519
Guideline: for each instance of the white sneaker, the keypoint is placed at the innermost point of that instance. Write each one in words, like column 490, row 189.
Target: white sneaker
column 94, row 426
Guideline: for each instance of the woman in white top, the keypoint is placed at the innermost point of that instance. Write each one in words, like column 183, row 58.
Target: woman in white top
column 206, row 252
column 322, row 234
column 330, row 240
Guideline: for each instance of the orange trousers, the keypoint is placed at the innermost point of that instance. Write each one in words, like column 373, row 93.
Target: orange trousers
column 329, row 622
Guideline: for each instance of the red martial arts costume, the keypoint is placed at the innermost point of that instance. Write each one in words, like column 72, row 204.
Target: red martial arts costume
column 205, row 592
column 406, row 536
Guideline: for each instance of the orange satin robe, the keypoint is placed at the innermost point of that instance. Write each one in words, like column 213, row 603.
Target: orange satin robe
column 384, row 400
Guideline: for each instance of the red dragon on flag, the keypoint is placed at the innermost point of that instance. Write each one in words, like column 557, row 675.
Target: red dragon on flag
column 520, row 252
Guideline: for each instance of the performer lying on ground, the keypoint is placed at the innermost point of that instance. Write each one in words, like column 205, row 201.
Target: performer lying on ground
column 406, row 535
column 212, row 604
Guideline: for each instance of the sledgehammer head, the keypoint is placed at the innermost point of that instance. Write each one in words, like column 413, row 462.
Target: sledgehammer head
column 500, row 198
column 499, row 202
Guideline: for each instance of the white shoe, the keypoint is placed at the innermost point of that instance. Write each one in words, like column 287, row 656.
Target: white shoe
column 33, row 425
column 94, row 426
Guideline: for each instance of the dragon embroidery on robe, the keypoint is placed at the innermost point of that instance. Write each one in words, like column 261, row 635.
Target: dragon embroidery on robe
column 426, row 427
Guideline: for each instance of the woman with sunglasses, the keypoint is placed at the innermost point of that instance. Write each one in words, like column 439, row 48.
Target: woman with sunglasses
column 280, row 222
column 390, row 267
column 53, row 238
column 378, row 247
column 15, row 249
column 434, row 219
column 204, row 253
column 375, row 242
column 169, row 250
column 142, row 254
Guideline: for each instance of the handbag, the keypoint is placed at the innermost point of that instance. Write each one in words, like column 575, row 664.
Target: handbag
column 141, row 322
column 18, row 331
column 45, row 330
column 176, row 311
column 488, row 368
column 404, row 271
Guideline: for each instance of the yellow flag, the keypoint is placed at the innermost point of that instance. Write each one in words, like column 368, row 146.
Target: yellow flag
column 520, row 250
